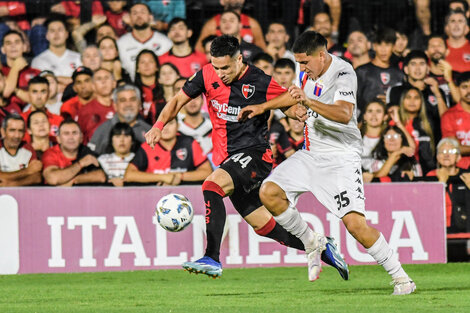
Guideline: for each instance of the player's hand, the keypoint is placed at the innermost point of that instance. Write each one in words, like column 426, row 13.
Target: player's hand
column 432, row 82
column 298, row 94
column 20, row 63
column 250, row 111
column 88, row 160
column 408, row 151
column 117, row 181
column 446, row 68
column 98, row 19
column 301, row 112
column 34, row 166
column 394, row 115
column 410, row 174
column 153, row 136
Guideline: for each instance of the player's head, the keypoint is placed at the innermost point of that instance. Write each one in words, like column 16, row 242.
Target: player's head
column 12, row 131
column 121, row 139
column 264, row 62
column 463, row 82
column 70, row 136
column 284, row 72
column 310, row 51
column 416, row 65
column 226, row 58
column 38, row 91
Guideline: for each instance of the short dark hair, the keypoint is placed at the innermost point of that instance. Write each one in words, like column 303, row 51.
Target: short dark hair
column 225, row 45
column 56, row 17
column 386, row 35
column 10, row 32
column 322, row 12
column 462, row 78
column 415, row 54
column 177, row 20
column 233, row 12
column 464, row 3
column 28, row 122
column 38, row 80
column 262, row 56
column 285, row 63
column 452, row 12
column 68, row 121
column 140, row 3
column 432, row 36
column 11, row 116
column 120, row 129
column 309, row 42
column 208, row 39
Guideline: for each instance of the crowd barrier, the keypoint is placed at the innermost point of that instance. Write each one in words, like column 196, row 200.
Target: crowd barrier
column 87, row 229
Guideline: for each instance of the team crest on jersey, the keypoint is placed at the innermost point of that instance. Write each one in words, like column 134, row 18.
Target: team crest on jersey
column 466, row 57
column 248, row 90
column 318, row 89
column 385, row 78
column 182, row 154
column 432, row 99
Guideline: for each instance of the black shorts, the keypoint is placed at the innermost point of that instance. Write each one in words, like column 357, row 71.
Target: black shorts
column 248, row 168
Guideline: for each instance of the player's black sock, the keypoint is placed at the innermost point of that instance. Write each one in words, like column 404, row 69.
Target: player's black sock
column 215, row 218
column 275, row 231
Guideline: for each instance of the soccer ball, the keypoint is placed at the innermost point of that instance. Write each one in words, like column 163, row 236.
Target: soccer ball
column 174, row 212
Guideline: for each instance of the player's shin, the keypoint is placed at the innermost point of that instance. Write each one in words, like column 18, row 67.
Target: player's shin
column 275, row 231
column 291, row 221
column 385, row 256
column 215, row 218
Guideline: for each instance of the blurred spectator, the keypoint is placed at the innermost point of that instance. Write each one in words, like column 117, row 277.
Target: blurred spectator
column 250, row 29
column 323, row 24
column 413, row 115
column 167, row 77
column 58, row 59
column 38, row 91
column 455, row 123
column 83, row 86
column 264, row 62
column 91, row 58
column 127, row 103
column 373, row 124
column 358, row 48
column 54, row 102
column 175, row 160
column 296, row 133
column 38, row 130
column 100, row 109
column 457, row 185
column 116, row 13
column 110, row 59
column 141, row 37
column 182, row 55
column 456, row 28
column 284, row 72
column 277, row 39
column 17, row 72
column 120, row 147
column 440, row 69
column 196, row 125
column 18, row 163
column 393, row 157
column 15, row 10
column 375, row 77
column 279, row 141
column 70, row 162
column 165, row 10
column 79, row 33
column 206, row 42
column 146, row 79
column 105, row 30
column 416, row 69
column 400, row 49
column 72, row 8
column 230, row 24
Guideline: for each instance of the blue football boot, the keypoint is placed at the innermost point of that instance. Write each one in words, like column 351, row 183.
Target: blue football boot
column 332, row 257
column 205, row 265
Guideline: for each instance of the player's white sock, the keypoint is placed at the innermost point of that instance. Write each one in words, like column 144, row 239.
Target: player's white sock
column 385, row 256
column 291, row 220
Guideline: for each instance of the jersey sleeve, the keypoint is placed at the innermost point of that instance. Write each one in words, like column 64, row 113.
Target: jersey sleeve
column 446, row 125
column 274, row 90
column 198, row 155
column 346, row 87
column 194, row 86
column 140, row 160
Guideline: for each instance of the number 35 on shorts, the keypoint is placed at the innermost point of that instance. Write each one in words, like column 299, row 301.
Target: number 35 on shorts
column 342, row 199
column 238, row 158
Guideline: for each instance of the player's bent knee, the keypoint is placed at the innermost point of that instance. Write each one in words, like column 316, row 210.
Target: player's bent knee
column 271, row 195
column 355, row 223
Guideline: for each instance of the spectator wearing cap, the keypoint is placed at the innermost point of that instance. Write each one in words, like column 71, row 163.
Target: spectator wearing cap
column 83, row 86
column 54, row 102
column 38, row 91
column 18, row 163
column 58, row 59
column 16, row 70
column 127, row 103
column 416, row 69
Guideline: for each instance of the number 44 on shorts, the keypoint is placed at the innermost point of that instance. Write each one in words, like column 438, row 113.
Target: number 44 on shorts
column 243, row 161
column 342, row 200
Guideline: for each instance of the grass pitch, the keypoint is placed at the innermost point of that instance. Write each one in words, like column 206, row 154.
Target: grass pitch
column 440, row 288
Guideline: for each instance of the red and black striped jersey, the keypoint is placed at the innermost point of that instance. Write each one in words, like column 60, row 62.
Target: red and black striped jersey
column 226, row 101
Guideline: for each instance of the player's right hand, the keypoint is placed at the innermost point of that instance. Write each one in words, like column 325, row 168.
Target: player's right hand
column 301, row 112
column 88, row 160
column 153, row 136
column 250, row 111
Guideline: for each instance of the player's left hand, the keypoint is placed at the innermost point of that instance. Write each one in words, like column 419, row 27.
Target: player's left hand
column 250, row 111
column 298, row 94
column 301, row 112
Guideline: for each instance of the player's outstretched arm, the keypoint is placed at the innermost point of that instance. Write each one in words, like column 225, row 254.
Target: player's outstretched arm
column 168, row 113
column 250, row 111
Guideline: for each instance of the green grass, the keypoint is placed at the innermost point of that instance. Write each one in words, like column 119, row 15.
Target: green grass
column 440, row 288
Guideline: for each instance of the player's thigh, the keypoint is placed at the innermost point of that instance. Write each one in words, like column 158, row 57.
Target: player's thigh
column 223, row 179
column 338, row 184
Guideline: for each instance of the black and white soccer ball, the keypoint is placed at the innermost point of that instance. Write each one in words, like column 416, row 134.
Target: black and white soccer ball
column 174, row 212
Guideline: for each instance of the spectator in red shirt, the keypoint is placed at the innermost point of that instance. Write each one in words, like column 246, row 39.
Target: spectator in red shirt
column 116, row 13
column 182, row 55
column 18, row 163
column 71, row 163
column 456, row 28
column 175, row 160
column 83, row 86
column 16, row 70
column 100, row 109
column 38, row 130
column 72, row 8
column 455, row 123
column 38, row 91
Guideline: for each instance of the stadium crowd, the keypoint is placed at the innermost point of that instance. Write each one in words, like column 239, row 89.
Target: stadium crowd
column 81, row 82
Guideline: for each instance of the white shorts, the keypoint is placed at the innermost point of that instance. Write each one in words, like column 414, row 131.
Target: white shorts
column 334, row 179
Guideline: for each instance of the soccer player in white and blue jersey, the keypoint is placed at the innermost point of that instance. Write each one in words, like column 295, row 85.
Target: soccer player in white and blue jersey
column 329, row 165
